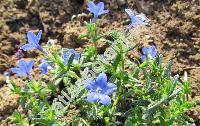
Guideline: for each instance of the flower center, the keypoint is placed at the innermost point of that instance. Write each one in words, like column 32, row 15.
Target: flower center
column 98, row 90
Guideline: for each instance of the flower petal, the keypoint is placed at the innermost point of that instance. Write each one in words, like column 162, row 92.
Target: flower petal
column 39, row 35
column 111, row 87
column 129, row 12
column 142, row 17
column 103, row 12
column 136, row 20
column 30, row 65
column 77, row 56
column 92, row 97
column 43, row 68
column 153, row 51
column 18, row 71
column 22, row 64
column 143, row 57
column 145, row 50
column 101, row 80
column 71, row 51
column 105, row 99
column 91, row 7
column 28, row 47
column 40, row 48
column 91, row 85
column 152, row 47
column 32, row 38
column 99, row 9
column 66, row 57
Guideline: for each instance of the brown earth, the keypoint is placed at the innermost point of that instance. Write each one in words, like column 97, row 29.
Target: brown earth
column 174, row 30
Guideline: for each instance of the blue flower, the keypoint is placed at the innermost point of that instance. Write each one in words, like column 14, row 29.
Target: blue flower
column 24, row 68
column 33, row 41
column 97, row 10
column 100, row 90
column 149, row 52
column 45, row 66
column 67, row 55
column 139, row 19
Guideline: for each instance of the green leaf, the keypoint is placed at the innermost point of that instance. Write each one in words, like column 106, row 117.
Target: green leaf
column 116, row 62
column 144, row 64
column 23, row 102
column 51, row 87
column 168, row 69
column 35, row 86
column 90, row 51
column 14, row 88
column 73, row 74
column 174, row 83
column 162, row 121
column 187, row 87
column 18, row 117
column 97, row 38
column 58, row 80
column 167, row 87
column 70, row 61
column 59, row 61
column 82, row 36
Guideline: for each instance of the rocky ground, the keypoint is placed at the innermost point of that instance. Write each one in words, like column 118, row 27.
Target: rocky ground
column 174, row 30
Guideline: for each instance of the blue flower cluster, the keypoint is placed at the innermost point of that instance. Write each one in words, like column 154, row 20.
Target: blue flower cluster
column 97, row 10
column 100, row 90
column 138, row 19
column 45, row 66
column 33, row 41
column 24, row 68
column 67, row 55
column 116, row 81
column 149, row 52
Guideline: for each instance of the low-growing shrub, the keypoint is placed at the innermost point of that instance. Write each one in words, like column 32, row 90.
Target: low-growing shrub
column 110, row 88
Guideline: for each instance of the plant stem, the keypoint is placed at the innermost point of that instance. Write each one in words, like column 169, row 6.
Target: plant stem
column 123, row 63
column 96, row 52
column 115, row 103
column 148, row 113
